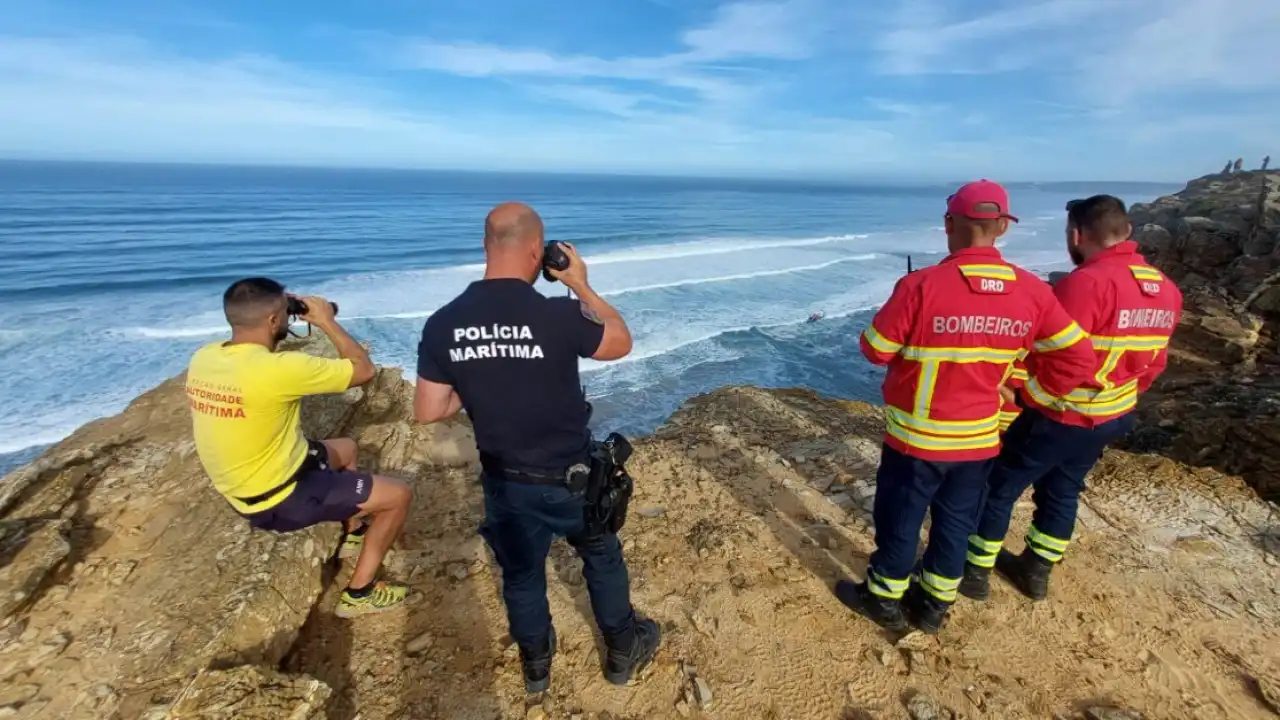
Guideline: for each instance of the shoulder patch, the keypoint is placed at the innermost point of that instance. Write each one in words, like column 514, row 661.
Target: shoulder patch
column 1150, row 280
column 989, row 279
column 589, row 314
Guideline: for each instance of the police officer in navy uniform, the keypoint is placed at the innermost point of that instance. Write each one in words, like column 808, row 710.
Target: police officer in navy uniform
column 509, row 356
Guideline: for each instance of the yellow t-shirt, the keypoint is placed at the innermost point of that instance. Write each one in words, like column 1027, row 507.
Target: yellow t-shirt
column 244, row 408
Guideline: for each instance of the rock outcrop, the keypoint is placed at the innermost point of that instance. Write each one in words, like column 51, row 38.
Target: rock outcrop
column 125, row 576
column 1219, row 404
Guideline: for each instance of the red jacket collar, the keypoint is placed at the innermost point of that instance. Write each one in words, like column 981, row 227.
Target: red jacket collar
column 1125, row 250
column 983, row 253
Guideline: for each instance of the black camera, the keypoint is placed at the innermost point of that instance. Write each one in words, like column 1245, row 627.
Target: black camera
column 298, row 308
column 553, row 258
column 618, row 447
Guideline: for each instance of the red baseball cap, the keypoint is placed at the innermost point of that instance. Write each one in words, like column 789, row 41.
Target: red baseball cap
column 969, row 197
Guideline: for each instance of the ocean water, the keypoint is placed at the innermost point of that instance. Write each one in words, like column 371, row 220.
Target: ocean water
column 113, row 273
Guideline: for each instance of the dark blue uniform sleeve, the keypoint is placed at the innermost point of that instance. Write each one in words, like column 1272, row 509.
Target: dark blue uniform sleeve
column 429, row 367
column 583, row 330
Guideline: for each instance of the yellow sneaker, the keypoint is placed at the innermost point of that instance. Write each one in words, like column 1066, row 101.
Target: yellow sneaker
column 383, row 597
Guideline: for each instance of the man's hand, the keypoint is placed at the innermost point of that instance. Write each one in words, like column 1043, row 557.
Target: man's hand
column 574, row 277
column 1007, row 395
column 319, row 311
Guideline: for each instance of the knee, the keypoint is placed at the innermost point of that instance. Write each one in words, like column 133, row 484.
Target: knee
column 345, row 452
column 397, row 492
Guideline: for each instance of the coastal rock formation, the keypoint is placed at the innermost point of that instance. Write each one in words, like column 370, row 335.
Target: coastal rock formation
column 131, row 590
column 124, row 575
column 1219, row 404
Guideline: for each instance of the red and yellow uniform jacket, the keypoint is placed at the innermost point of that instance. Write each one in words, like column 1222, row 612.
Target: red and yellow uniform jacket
column 1130, row 310
column 950, row 335
column 1016, row 378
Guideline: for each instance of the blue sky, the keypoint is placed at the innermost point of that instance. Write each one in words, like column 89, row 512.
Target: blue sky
column 1017, row 90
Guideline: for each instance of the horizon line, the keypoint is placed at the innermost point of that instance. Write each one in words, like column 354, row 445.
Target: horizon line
column 850, row 181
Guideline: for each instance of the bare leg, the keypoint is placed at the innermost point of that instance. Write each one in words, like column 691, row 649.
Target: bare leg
column 387, row 508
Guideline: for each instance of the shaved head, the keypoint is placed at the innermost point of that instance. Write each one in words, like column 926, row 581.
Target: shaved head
column 511, row 225
column 249, row 303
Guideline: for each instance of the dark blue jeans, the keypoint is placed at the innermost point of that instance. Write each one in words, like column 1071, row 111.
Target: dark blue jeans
column 1053, row 457
column 520, row 523
column 905, row 489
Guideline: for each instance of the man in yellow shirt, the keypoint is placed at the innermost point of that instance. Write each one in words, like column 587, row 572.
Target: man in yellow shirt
column 245, row 399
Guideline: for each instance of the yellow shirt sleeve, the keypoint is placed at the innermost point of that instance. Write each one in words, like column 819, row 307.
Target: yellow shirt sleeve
column 296, row 374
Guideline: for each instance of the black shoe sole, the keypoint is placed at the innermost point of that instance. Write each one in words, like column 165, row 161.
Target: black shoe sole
column 623, row 678
column 847, row 593
column 532, row 687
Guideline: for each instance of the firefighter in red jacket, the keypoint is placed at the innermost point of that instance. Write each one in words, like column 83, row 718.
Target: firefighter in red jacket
column 949, row 335
column 1129, row 310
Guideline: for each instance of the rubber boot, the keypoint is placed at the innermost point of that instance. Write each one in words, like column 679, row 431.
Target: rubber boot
column 626, row 658
column 925, row 611
column 537, row 665
column 882, row 611
column 1028, row 572
column 976, row 583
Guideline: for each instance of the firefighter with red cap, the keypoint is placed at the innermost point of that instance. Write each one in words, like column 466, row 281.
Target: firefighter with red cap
column 950, row 335
column 1129, row 309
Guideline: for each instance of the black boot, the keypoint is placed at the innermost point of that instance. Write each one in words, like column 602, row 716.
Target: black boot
column 925, row 611
column 628, row 655
column 976, row 583
column 537, row 665
column 1028, row 572
column 882, row 611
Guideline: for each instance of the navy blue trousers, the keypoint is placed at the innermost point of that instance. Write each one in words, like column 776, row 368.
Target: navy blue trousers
column 905, row 489
column 1053, row 457
column 521, row 521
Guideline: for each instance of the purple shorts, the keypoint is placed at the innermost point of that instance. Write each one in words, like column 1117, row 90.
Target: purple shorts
column 322, row 494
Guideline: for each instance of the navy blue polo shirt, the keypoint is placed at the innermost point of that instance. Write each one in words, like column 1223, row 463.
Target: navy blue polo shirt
column 512, row 356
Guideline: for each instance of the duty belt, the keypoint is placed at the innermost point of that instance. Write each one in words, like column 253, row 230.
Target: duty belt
column 494, row 466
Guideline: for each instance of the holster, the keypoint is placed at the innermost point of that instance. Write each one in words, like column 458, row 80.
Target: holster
column 608, row 492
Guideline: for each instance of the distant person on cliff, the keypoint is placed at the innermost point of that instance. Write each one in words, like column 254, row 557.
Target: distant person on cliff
column 1238, row 165
column 1227, row 170
column 1129, row 309
column 245, row 398
column 509, row 357
column 949, row 335
column 1266, row 161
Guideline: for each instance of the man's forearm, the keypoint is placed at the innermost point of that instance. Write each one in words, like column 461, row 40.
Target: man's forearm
column 346, row 345
column 598, row 305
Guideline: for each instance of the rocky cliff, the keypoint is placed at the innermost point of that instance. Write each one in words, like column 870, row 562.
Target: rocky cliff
column 1219, row 404
column 132, row 591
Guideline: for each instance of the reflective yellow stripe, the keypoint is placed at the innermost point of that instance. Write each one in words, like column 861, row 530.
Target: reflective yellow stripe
column 983, row 553
column 1019, row 374
column 886, row 587
column 942, row 427
column 1129, row 342
column 942, row 588
column 997, row 272
column 1048, row 541
column 982, row 561
column 985, row 545
column 880, row 342
column 1146, row 273
column 959, row 354
column 924, row 388
column 1007, row 417
column 1094, row 403
column 933, row 442
column 1065, row 338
